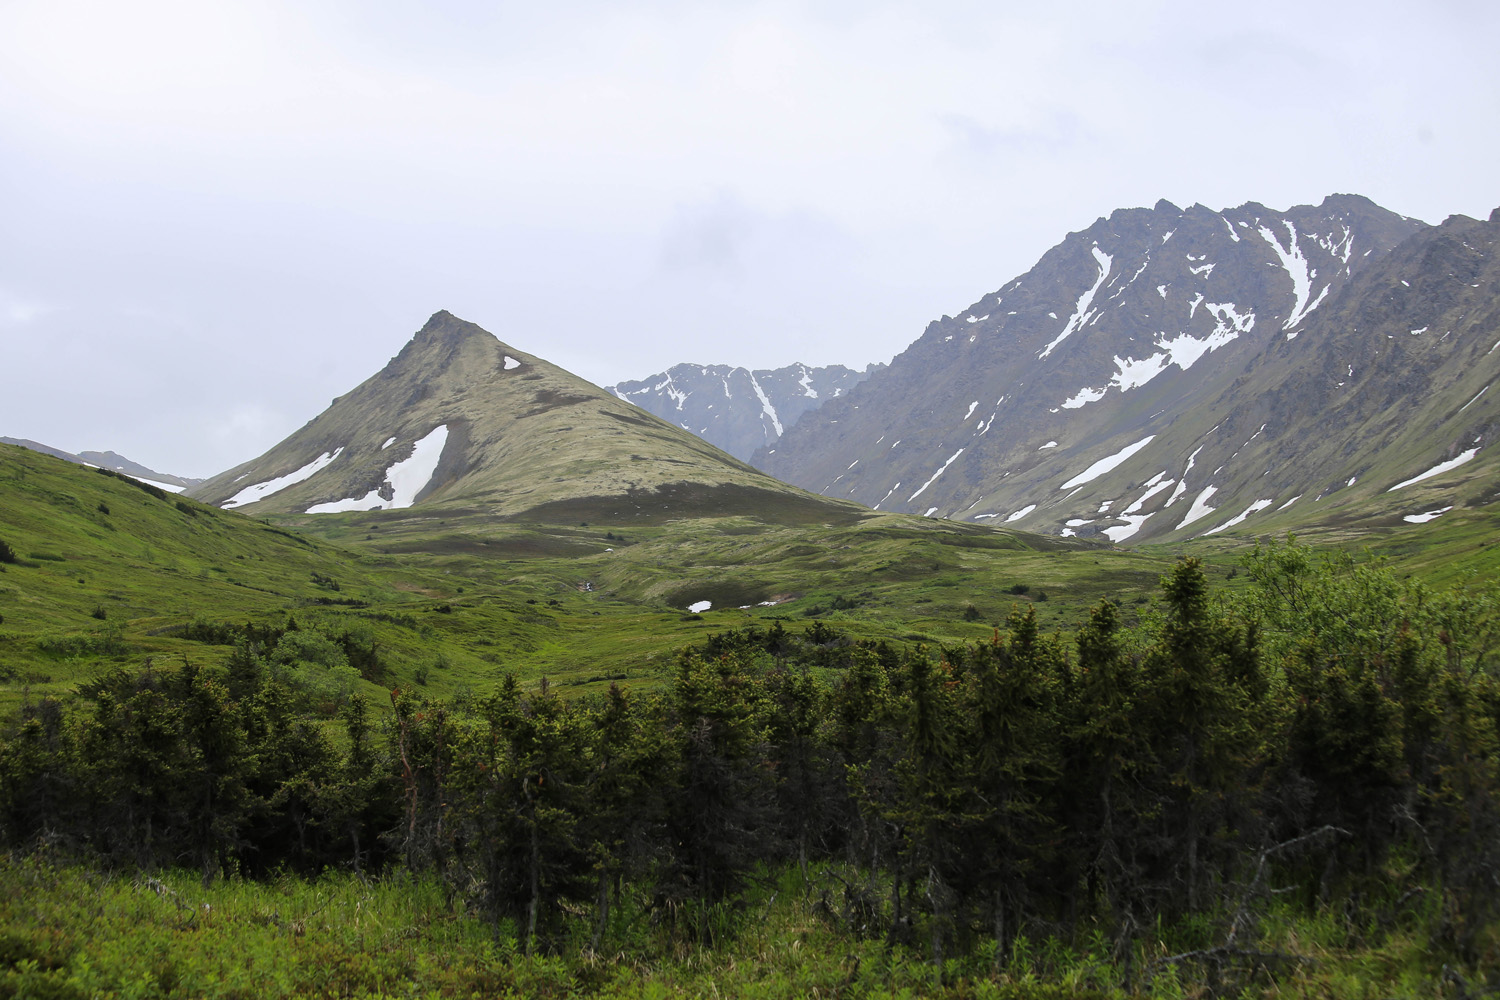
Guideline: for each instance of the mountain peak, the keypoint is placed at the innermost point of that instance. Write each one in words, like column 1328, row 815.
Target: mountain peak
column 460, row 418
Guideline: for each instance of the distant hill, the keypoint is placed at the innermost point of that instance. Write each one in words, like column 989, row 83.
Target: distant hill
column 110, row 460
column 1168, row 372
column 461, row 419
column 738, row 409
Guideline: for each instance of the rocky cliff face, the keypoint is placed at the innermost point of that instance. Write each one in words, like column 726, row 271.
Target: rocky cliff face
column 1111, row 382
column 737, row 409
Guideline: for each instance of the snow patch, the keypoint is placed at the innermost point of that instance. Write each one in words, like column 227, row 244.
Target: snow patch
column 1049, row 444
column 930, row 511
column 1107, row 463
column 388, row 442
column 1437, row 470
column 260, row 491
column 1132, row 524
column 1475, row 399
column 698, row 606
column 1082, row 398
column 511, row 363
column 972, row 406
column 1424, row 518
column 1418, row 333
column 1021, row 513
column 1161, row 290
column 1200, row 507
column 1258, row 505
column 406, row 478
column 806, row 382
column 1290, row 502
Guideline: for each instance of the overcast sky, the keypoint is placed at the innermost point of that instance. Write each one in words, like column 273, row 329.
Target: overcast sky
column 216, row 216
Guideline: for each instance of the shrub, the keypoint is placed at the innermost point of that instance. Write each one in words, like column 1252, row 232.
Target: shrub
column 971, row 614
column 1018, row 589
column 7, row 554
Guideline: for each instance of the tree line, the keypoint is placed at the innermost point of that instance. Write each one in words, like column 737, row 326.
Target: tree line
column 1331, row 730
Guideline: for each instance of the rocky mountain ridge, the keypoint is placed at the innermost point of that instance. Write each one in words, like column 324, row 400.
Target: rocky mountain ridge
column 1091, row 394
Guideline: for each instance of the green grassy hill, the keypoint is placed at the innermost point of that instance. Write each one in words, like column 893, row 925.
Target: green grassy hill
column 111, row 573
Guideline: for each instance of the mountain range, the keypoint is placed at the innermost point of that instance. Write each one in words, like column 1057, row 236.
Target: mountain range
column 112, row 461
column 737, row 409
column 1168, row 372
column 1162, row 374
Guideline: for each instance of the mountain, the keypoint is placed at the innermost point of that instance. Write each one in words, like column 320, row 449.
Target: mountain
column 737, row 409
column 460, row 419
column 109, row 460
column 1183, row 359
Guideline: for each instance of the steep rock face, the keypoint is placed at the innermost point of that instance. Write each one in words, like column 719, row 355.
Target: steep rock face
column 1030, row 406
column 737, row 409
column 459, row 418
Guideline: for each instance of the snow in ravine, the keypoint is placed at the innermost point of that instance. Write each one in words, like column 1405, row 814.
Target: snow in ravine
column 765, row 404
column 1081, row 312
column 1428, row 516
column 406, row 478
column 169, row 487
column 1107, row 463
column 260, row 491
column 511, row 363
column 1474, row 400
column 388, row 442
column 935, row 475
column 1296, row 268
column 1437, row 470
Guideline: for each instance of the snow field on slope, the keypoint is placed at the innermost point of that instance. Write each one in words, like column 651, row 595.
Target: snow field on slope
column 260, row 491
column 1200, row 507
column 406, row 479
column 1239, row 518
column 1428, row 516
column 1437, row 470
column 1183, row 350
column 1107, row 463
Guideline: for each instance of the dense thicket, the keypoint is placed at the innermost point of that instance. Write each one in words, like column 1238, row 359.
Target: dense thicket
column 1331, row 727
